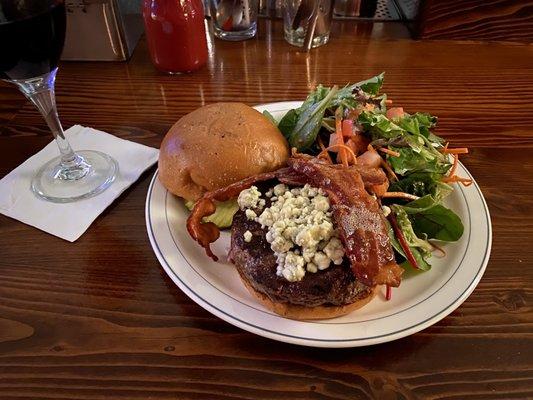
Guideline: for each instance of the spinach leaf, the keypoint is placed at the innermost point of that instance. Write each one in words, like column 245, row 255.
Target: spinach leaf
column 417, row 206
column 420, row 258
column 407, row 229
column 421, row 262
column 438, row 222
column 287, row 124
column 270, row 117
column 421, row 184
column 423, row 265
column 372, row 85
column 420, row 248
column 316, row 96
column 309, row 122
column 432, row 220
column 345, row 96
column 393, row 240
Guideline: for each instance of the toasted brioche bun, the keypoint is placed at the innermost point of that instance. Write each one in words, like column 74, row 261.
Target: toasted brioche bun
column 293, row 311
column 217, row 145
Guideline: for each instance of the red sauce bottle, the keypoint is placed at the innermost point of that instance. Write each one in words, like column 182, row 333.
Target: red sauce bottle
column 175, row 33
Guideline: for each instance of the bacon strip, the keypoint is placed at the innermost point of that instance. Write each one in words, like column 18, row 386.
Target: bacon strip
column 207, row 233
column 360, row 222
column 374, row 179
column 357, row 215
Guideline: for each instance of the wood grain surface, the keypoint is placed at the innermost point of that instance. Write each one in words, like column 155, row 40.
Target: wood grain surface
column 501, row 20
column 99, row 319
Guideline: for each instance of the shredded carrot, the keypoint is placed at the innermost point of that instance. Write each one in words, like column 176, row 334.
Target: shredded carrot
column 388, row 102
column 388, row 293
column 323, row 148
column 389, row 170
column 457, row 179
column 454, row 168
column 340, row 146
column 340, row 140
column 401, row 195
column 459, row 150
column 389, row 152
column 452, row 178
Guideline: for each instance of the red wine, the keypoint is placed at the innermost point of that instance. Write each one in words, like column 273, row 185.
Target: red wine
column 32, row 33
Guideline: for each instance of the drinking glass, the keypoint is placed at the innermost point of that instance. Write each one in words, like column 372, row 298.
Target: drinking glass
column 298, row 16
column 33, row 34
column 234, row 19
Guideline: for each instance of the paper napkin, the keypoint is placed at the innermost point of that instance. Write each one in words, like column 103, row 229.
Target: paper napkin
column 70, row 220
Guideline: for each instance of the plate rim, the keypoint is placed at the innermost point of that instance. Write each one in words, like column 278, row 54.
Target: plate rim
column 317, row 342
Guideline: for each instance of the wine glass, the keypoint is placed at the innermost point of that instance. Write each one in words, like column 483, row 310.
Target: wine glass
column 33, row 34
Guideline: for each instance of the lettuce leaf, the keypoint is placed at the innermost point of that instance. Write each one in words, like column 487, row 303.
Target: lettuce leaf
column 270, row 117
column 420, row 248
column 379, row 126
column 372, row 85
column 438, row 222
column 420, row 124
column 223, row 216
column 421, row 184
column 421, row 160
column 431, row 220
column 309, row 121
column 288, row 122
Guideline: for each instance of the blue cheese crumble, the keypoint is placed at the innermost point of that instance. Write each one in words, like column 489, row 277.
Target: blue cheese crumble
column 247, row 236
column 299, row 228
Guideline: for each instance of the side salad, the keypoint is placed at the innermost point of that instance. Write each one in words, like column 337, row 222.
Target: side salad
column 356, row 123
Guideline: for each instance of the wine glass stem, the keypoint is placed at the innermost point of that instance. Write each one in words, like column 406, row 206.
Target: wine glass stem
column 40, row 91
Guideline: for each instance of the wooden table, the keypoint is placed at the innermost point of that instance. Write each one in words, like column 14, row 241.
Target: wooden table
column 99, row 318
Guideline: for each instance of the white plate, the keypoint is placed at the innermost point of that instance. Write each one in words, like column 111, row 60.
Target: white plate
column 420, row 301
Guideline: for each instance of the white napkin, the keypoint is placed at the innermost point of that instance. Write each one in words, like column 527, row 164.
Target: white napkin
column 70, row 220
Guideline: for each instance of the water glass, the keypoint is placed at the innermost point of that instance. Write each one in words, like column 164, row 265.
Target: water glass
column 234, row 19
column 297, row 17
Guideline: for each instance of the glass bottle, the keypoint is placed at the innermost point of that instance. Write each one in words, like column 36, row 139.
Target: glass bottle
column 175, row 32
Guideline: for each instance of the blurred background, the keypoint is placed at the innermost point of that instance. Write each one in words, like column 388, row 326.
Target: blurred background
column 100, row 30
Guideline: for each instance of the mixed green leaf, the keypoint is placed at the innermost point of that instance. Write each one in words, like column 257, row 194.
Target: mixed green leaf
column 414, row 155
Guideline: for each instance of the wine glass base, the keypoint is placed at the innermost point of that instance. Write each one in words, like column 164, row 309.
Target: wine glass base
column 50, row 183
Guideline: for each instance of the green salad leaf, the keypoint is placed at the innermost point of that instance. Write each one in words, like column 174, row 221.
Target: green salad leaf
column 421, row 160
column 420, row 124
column 372, row 85
column 270, row 117
column 433, row 220
column 288, row 122
column 223, row 216
column 421, row 184
column 420, row 165
column 438, row 222
column 309, row 121
column 420, row 248
column 379, row 126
